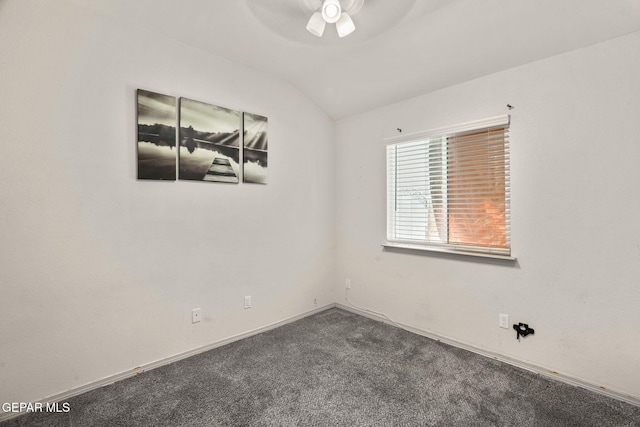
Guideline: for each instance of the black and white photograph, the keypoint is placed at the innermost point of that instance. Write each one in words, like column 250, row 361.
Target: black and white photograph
column 156, row 136
column 209, row 142
column 255, row 148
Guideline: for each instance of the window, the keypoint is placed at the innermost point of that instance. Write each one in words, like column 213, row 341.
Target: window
column 448, row 189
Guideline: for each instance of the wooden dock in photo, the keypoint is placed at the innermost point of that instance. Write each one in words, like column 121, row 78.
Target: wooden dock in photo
column 220, row 171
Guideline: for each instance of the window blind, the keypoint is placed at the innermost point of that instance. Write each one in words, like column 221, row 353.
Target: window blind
column 451, row 188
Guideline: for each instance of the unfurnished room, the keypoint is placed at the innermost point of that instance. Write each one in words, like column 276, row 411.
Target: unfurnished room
column 320, row 213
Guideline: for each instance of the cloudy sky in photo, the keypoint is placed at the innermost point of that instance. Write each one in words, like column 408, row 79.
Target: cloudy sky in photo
column 208, row 118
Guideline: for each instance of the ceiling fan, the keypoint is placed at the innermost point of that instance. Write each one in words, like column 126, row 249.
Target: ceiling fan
column 334, row 12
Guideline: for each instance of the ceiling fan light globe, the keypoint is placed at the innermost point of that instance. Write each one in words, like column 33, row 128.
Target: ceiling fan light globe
column 331, row 10
column 316, row 24
column 345, row 25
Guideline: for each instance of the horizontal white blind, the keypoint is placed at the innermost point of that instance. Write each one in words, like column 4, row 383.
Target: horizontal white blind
column 451, row 190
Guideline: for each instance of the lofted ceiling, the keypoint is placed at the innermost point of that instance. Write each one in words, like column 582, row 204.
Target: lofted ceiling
column 400, row 49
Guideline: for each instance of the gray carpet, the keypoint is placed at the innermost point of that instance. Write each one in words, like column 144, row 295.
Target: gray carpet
column 338, row 369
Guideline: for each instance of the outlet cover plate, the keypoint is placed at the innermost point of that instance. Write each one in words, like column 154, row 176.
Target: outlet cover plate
column 195, row 315
column 247, row 302
column 503, row 321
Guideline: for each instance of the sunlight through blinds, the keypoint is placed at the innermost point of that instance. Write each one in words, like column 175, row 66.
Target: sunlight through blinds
column 451, row 189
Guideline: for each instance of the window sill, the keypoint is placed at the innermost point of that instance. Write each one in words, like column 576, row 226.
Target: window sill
column 431, row 249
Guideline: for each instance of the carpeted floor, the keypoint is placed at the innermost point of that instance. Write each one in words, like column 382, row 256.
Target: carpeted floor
column 338, row 369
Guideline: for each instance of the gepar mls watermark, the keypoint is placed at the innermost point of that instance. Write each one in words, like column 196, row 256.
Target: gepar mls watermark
column 20, row 407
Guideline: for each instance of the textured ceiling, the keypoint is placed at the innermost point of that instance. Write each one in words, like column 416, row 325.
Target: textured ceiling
column 400, row 48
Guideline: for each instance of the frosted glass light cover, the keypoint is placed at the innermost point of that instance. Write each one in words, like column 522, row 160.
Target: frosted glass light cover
column 316, row 24
column 331, row 10
column 345, row 25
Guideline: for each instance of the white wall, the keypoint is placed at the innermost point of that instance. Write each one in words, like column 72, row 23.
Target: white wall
column 575, row 143
column 99, row 272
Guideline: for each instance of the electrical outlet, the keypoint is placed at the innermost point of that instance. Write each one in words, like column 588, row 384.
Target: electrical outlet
column 247, row 302
column 347, row 284
column 315, row 302
column 195, row 315
column 503, row 321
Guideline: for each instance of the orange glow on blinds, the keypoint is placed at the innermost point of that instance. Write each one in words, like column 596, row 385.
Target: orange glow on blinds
column 451, row 190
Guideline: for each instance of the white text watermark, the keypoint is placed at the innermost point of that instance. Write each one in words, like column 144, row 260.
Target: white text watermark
column 19, row 407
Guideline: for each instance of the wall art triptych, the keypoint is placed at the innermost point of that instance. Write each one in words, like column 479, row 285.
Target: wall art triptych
column 209, row 141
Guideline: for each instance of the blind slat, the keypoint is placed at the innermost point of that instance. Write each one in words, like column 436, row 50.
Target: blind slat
column 451, row 190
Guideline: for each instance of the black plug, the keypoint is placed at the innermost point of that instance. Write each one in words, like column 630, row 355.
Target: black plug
column 522, row 330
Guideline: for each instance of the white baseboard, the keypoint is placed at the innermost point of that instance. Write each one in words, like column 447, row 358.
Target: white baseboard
column 60, row 397
column 548, row 373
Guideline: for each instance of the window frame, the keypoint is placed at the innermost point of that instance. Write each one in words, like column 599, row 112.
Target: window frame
column 449, row 248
